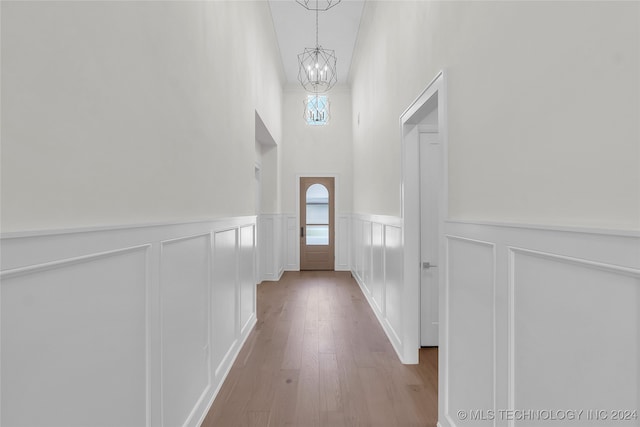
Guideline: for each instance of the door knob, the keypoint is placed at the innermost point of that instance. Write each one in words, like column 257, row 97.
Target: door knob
column 427, row 265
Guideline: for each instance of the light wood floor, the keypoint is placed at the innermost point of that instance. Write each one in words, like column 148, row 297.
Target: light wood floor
column 318, row 357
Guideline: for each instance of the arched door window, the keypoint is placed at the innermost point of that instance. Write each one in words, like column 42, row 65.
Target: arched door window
column 317, row 200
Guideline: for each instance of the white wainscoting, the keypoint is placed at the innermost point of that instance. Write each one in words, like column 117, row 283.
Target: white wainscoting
column 271, row 246
column 292, row 242
column 343, row 242
column 377, row 265
column 123, row 326
column 538, row 319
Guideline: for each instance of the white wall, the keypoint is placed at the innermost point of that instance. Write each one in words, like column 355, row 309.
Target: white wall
column 127, row 112
column 316, row 149
column 543, row 107
column 271, row 161
column 268, row 155
column 543, row 101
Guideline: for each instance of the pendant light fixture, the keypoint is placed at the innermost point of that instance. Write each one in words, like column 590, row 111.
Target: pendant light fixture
column 316, row 109
column 317, row 66
column 316, row 5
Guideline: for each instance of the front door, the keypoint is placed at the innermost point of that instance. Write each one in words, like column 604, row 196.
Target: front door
column 317, row 224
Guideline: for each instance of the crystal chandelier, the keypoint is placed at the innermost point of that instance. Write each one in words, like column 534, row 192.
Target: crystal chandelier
column 317, row 66
column 316, row 5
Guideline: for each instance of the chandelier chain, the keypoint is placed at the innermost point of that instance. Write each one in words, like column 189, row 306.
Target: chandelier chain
column 317, row 66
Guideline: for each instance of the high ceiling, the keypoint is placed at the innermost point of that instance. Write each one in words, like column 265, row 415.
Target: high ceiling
column 296, row 29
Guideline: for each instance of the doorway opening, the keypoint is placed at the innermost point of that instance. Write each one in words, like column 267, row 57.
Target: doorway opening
column 430, row 166
column 424, row 210
column 266, row 200
column 317, row 223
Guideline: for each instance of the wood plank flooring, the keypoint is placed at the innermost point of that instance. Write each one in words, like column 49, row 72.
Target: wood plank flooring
column 318, row 357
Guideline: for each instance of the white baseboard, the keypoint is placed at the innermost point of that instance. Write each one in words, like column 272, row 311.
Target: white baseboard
column 228, row 367
column 386, row 327
column 376, row 264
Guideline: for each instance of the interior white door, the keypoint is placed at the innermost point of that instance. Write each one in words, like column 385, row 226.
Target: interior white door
column 430, row 176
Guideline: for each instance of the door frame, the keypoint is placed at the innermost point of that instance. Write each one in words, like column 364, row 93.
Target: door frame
column 433, row 96
column 326, row 252
column 257, row 171
column 336, row 183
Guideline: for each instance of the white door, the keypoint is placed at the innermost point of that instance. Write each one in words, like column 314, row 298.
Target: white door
column 430, row 176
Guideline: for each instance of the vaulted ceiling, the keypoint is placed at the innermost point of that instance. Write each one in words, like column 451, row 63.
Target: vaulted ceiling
column 295, row 29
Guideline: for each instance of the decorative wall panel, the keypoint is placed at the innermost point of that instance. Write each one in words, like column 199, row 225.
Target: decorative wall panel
column 185, row 309
column 131, row 326
column 74, row 339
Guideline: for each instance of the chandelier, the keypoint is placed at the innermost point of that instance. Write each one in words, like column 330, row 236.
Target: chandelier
column 316, row 109
column 316, row 5
column 317, row 66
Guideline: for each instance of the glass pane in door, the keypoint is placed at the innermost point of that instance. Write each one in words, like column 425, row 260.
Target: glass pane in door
column 317, row 225
column 318, row 214
column 317, row 235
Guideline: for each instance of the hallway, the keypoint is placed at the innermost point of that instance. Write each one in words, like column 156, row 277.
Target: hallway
column 318, row 357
